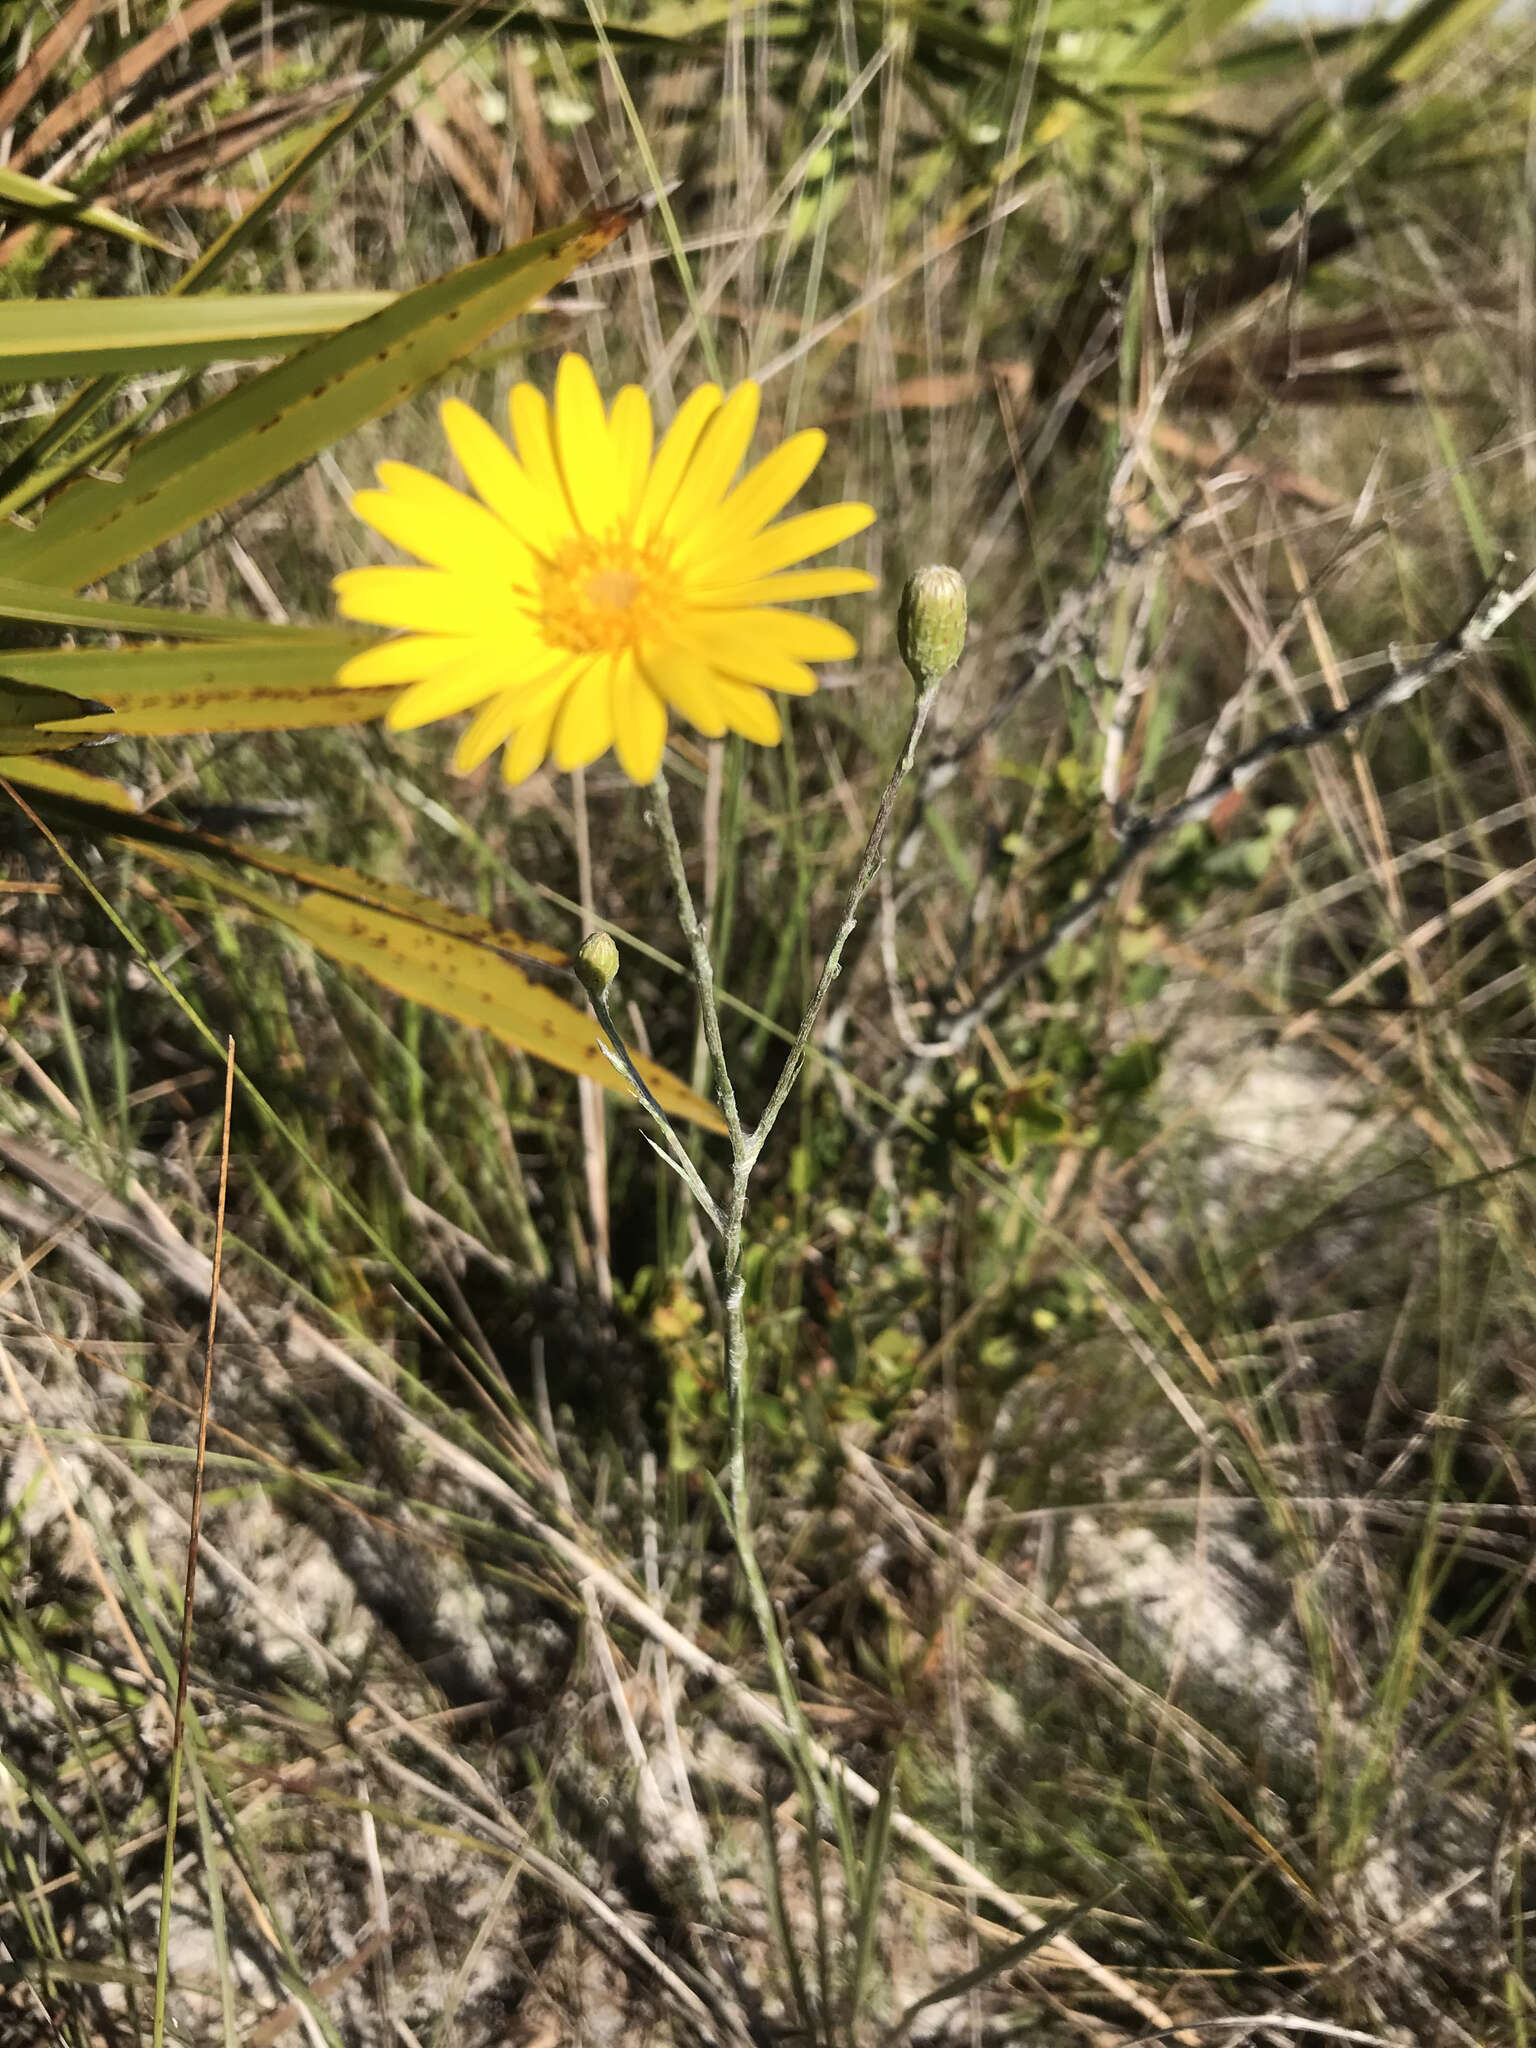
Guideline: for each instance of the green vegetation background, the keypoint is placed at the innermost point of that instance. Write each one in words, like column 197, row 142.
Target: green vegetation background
column 1142, row 1440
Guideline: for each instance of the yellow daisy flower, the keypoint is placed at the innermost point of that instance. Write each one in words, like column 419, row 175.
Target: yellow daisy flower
column 599, row 586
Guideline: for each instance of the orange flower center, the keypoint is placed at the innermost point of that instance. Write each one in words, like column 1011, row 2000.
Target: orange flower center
column 601, row 595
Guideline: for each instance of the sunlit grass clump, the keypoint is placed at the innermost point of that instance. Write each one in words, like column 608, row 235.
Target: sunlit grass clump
column 602, row 582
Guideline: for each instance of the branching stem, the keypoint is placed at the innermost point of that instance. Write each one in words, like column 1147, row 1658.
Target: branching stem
column 746, row 1149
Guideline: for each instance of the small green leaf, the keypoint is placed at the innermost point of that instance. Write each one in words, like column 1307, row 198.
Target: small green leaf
column 1132, row 1070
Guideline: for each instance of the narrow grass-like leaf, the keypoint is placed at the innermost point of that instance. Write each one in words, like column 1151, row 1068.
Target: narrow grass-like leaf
column 575, row 27
column 1325, row 134
column 281, row 418
column 84, row 792
column 782, row 1925
column 272, row 685
column 37, row 201
column 1006, row 1959
column 60, row 778
column 1424, row 34
column 48, row 606
column 877, row 1849
column 41, row 338
column 474, row 982
column 350, row 886
column 27, row 707
column 347, row 885
column 217, row 1922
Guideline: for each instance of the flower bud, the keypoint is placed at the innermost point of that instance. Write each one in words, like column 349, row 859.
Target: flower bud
column 596, row 964
column 930, row 623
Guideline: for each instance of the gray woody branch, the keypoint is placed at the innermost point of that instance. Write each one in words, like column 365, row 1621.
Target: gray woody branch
column 1138, row 833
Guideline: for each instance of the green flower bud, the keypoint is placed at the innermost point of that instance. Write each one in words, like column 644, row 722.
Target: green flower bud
column 596, row 964
column 930, row 623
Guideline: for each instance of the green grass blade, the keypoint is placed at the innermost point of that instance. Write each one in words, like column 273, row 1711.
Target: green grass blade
column 42, row 338
column 877, row 1849
column 25, row 708
column 24, row 477
column 46, row 606
column 562, row 28
column 217, row 1923
column 271, row 685
column 31, row 197
column 1424, row 34
column 1006, row 1959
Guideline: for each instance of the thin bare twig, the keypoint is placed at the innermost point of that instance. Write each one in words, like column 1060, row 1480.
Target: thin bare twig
column 1068, row 630
column 1140, row 833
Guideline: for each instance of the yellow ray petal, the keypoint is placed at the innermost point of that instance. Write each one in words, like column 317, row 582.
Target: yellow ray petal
column 401, row 661
column 584, row 727
column 767, row 667
column 762, row 493
column 490, row 727
column 786, row 589
column 453, row 532
column 430, row 601
column 793, row 539
column 741, row 658
column 677, row 446
column 721, row 450
column 687, row 683
column 585, row 446
column 530, row 743
column 418, row 486
column 529, row 414
column 453, row 689
column 751, row 712
column 538, row 517
column 639, row 722
column 751, row 632
column 630, row 428
column 507, row 712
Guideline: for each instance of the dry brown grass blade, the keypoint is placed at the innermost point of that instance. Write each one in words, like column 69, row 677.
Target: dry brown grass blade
column 55, row 46
column 940, row 391
column 580, row 1555
column 484, row 173
column 1211, row 457
column 445, row 149
column 174, row 173
column 179, row 174
column 291, row 2015
column 548, row 187
column 116, row 78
